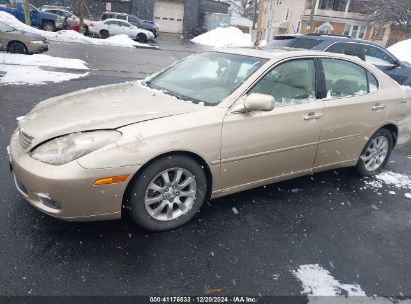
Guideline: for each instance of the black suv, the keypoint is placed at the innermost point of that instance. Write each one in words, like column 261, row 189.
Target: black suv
column 134, row 20
column 366, row 50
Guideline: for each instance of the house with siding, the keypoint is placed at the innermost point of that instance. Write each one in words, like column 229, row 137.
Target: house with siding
column 338, row 17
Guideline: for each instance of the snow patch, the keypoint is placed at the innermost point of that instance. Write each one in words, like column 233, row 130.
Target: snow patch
column 402, row 50
column 317, row 281
column 390, row 178
column 226, row 37
column 43, row 60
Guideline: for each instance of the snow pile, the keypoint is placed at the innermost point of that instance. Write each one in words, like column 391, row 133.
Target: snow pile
column 39, row 69
column 402, row 50
column 225, row 37
column 318, row 281
column 43, row 60
column 72, row 36
column 390, row 178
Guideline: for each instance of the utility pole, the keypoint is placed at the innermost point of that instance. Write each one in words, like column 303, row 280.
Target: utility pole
column 26, row 8
column 255, row 13
column 313, row 7
column 81, row 11
column 259, row 23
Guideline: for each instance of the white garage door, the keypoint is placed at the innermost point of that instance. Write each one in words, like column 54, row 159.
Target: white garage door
column 168, row 15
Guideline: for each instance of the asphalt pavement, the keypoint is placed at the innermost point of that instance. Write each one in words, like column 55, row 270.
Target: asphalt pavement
column 250, row 243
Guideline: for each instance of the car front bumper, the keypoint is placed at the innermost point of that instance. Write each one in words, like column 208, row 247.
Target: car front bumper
column 67, row 191
column 37, row 48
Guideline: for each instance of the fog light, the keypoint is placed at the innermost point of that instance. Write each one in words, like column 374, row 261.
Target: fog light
column 47, row 201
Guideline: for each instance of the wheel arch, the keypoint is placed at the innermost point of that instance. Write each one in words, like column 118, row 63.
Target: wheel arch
column 393, row 129
column 200, row 160
column 14, row 41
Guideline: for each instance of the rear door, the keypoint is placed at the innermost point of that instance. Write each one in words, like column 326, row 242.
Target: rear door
column 261, row 147
column 353, row 109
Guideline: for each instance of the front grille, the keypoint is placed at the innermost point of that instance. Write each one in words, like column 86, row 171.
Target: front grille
column 25, row 139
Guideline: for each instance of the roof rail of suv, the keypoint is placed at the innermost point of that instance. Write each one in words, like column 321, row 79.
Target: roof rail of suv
column 331, row 35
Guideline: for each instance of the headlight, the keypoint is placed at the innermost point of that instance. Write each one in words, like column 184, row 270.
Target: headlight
column 37, row 42
column 70, row 147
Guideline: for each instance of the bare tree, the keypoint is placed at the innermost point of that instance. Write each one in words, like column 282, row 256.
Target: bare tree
column 396, row 11
column 26, row 9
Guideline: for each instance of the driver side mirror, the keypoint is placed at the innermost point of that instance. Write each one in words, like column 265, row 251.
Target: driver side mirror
column 255, row 102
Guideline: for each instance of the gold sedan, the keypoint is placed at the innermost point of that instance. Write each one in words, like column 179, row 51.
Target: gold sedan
column 213, row 124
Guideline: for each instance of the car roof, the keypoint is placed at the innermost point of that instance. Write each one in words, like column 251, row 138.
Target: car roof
column 330, row 38
column 122, row 14
column 114, row 19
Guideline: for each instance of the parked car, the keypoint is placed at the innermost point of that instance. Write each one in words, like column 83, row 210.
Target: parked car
column 134, row 20
column 213, row 124
column 14, row 41
column 366, row 50
column 110, row 27
column 45, row 21
column 71, row 20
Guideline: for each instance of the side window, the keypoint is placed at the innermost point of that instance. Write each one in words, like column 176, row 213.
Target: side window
column 122, row 17
column 373, row 82
column 377, row 56
column 104, row 17
column 344, row 78
column 292, row 82
column 344, row 48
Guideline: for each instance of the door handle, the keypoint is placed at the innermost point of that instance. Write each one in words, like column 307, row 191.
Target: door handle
column 378, row 107
column 312, row 116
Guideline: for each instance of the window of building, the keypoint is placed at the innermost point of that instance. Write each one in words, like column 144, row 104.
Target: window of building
column 287, row 14
column 379, row 33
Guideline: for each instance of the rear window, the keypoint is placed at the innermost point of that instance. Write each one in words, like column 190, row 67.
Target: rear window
column 305, row 43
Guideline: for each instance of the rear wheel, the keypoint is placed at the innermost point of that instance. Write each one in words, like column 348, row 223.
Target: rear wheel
column 168, row 193
column 17, row 48
column 142, row 38
column 376, row 153
column 48, row 26
column 104, row 34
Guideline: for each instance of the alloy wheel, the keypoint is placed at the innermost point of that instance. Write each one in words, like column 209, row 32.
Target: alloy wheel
column 376, row 153
column 170, row 194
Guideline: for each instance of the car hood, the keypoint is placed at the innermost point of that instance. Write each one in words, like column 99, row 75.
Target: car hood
column 108, row 107
column 26, row 35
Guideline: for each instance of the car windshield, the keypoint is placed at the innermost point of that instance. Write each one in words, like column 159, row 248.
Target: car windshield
column 5, row 28
column 134, row 19
column 208, row 77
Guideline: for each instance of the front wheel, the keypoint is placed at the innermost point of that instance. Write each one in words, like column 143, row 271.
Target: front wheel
column 168, row 193
column 376, row 153
column 104, row 34
column 142, row 38
column 17, row 48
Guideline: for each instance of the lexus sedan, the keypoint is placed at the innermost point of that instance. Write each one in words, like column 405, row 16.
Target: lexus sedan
column 213, row 124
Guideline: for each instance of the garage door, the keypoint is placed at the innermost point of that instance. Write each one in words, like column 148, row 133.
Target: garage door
column 168, row 15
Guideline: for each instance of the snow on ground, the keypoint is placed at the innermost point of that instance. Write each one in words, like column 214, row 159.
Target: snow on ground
column 39, row 69
column 225, row 37
column 389, row 178
column 402, row 50
column 317, row 281
column 43, row 60
column 72, row 36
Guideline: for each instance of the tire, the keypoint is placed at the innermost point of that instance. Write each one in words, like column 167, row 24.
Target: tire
column 48, row 26
column 142, row 38
column 168, row 208
column 16, row 47
column 104, row 34
column 86, row 30
column 376, row 153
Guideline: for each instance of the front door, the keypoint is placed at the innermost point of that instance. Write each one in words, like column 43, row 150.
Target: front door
column 261, row 147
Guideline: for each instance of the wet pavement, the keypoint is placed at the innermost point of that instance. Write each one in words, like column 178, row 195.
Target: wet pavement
column 244, row 244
